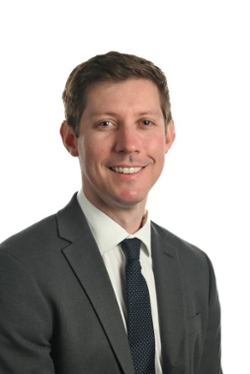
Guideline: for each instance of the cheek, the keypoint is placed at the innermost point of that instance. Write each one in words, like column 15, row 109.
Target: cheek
column 96, row 145
column 158, row 152
column 84, row 156
column 91, row 155
column 157, row 147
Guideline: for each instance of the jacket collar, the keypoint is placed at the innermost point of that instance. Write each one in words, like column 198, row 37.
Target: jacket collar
column 171, row 302
column 84, row 258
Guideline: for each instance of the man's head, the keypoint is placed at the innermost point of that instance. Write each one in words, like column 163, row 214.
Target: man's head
column 110, row 67
column 119, row 125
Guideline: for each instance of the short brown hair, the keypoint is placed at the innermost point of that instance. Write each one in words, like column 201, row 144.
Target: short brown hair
column 112, row 66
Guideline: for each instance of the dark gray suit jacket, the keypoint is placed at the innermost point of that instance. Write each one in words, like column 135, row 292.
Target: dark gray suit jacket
column 58, row 311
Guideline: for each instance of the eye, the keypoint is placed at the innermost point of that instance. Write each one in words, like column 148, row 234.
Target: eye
column 147, row 122
column 105, row 124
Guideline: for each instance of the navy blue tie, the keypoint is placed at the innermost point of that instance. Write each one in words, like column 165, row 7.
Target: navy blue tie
column 139, row 324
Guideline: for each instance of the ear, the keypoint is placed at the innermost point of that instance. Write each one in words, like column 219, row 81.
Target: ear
column 69, row 138
column 170, row 135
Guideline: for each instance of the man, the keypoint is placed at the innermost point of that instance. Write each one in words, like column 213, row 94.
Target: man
column 73, row 297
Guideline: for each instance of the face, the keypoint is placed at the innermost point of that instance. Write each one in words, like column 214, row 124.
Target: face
column 122, row 143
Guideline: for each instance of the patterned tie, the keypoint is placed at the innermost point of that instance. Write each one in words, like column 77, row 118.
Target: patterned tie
column 140, row 325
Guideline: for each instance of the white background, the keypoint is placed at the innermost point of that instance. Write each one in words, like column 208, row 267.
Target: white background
column 203, row 194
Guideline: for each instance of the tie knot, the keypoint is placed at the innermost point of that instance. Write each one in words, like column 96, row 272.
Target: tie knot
column 132, row 248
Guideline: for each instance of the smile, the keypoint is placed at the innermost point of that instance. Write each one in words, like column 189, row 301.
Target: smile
column 126, row 170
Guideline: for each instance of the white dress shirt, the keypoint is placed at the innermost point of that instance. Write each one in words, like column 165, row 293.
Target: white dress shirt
column 114, row 259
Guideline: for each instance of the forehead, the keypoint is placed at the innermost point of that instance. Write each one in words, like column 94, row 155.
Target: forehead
column 131, row 92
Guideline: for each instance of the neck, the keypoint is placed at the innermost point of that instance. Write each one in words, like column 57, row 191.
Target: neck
column 131, row 221
column 131, row 218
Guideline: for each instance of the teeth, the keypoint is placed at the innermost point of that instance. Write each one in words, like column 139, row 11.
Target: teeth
column 126, row 170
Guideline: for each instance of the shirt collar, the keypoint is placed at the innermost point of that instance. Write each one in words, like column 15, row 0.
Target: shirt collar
column 102, row 225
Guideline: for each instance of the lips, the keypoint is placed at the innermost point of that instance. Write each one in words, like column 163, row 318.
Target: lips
column 126, row 170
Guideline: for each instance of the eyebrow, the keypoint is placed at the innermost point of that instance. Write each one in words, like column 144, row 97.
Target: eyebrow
column 148, row 112
column 97, row 114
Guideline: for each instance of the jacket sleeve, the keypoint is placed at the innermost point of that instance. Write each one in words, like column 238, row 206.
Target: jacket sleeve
column 25, row 321
column 211, row 356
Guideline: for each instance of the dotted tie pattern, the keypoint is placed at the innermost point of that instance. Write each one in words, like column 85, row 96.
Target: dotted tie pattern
column 140, row 325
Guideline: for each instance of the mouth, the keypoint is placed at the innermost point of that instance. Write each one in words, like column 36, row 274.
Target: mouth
column 131, row 170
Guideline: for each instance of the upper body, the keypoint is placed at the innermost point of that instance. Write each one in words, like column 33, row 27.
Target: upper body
column 59, row 313
column 62, row 317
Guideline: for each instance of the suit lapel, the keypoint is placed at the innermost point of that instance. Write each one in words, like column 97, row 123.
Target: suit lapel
column 171, row 305
column 84, row 257
column 86, row 262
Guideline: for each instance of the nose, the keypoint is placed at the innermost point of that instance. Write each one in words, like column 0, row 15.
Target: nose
column 127, row 140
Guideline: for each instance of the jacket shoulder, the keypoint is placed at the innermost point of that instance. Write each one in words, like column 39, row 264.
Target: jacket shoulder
column 45, row 235
column 33, row 237
column 184, row 250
